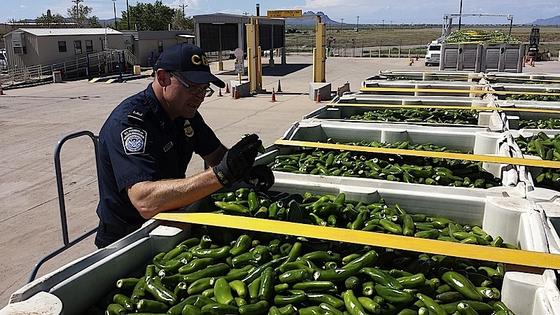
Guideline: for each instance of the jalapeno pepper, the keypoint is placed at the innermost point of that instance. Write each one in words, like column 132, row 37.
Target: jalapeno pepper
column 352, row 304
column 431, row 305
column 222, row 292
column 260, row 307
column 159, row 292
column 370, row 305
column 462, row 284
column 218, row 309
column 124, row 301
column 325, row 298
column 393, row 295
column 382, row 277
column 127, row 283
column 150, row 306
column 321, row 256
column 413, row 281
column 195, row 265
column 242, row 245
column 232, row 207
column 115, row 309
column 296, row 275
column 216, row 253
column 281, row 300
column 210, row 271
column 199, row 285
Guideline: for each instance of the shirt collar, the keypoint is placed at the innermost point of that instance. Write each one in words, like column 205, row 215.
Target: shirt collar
column 158, row 110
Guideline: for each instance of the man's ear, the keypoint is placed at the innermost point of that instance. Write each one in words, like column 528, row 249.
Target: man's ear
column 163, row 77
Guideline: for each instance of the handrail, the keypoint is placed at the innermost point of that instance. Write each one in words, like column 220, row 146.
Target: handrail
column 61, row 202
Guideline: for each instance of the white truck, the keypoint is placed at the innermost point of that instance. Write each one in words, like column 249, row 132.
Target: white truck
column 433, row 53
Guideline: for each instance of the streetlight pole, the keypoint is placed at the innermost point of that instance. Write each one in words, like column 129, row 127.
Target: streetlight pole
column 460, row 12
column 357, row 22
column 115, row 14
column 341, row 22
column 128, row 15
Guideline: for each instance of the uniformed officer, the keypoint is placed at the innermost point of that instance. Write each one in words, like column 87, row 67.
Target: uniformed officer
column 148, row 140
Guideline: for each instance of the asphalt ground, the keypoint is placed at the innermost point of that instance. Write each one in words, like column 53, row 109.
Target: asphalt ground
column 32, row 120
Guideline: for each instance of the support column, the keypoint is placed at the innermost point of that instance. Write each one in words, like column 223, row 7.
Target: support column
column 319, row 54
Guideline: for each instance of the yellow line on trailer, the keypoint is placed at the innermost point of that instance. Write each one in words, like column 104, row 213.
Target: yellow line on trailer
column 427, row 106
column 436, row 90
column 495, row 159
column 478, row 252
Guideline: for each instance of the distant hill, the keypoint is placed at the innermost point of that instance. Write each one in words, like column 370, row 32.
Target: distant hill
column 310, row 19
column 550, row 21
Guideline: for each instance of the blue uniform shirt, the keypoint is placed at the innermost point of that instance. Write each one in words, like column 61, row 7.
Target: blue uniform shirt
column 139, row 142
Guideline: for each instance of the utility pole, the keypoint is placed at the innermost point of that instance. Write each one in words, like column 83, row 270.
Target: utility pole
column 183, row 7
column 460, row 12
column 77, row 2
column 341, row 23
column 357, row 22
column 128, row 15
column 382, row 23
column 115, row 14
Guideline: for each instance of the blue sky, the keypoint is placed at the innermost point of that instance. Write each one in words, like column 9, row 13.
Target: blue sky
column 370, row 11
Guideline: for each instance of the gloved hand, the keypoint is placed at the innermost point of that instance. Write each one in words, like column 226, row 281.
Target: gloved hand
column 261, row 177
column 238, row 161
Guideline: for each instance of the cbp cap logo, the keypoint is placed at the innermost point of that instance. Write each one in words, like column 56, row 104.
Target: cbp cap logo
column 134, row 140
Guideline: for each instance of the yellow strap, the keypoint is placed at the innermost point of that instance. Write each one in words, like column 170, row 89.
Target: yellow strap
column 503, row 255
column 430, row 154
column 436, row 90
column 427, row 106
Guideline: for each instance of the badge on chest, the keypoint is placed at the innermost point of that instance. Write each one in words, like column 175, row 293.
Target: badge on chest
column 134, row 140
column 189, row 131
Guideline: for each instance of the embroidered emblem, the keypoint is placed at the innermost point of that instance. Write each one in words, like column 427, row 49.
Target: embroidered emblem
column 134, row 140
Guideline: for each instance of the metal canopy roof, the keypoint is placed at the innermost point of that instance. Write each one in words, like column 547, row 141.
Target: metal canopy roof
column 69, row 31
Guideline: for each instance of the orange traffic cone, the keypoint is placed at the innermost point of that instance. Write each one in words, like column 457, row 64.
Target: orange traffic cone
column 227, row 88
column 273, row 100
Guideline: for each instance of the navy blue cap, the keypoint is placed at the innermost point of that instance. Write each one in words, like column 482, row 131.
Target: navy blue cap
column 190, row 62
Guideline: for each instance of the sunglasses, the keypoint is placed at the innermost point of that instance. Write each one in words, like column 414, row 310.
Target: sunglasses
column 207, row 91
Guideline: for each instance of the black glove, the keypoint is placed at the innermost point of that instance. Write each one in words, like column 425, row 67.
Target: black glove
column 238, row 161
column 260, row 177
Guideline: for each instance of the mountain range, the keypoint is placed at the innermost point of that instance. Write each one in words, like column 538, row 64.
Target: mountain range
column 555, row 20
column 309, row 19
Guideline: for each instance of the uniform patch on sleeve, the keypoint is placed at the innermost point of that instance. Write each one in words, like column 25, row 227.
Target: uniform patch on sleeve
column 134, row 140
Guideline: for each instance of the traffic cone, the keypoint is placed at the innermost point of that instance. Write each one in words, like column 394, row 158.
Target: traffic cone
column 227, row 88
column 273, row 100
column 318, row 97
column 279, row 89
column 220, row 92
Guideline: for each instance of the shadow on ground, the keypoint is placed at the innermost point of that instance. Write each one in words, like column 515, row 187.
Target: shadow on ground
column 277, row 70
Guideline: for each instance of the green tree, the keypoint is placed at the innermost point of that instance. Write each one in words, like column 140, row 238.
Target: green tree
column 48, row 19
column 179, row 22
column 82, row 17
column 148, row 17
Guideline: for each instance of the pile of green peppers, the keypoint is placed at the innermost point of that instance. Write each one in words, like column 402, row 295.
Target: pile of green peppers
column 550, row 123
column 427, row 115
column 263, row 275
column 533, row 97
column 547, row 148
column 429, row 171
column 336, row 211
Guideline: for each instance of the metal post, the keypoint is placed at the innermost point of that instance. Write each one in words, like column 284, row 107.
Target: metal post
column 510, row 25
column 115, row 14
column 128, row 14
column 460, row 12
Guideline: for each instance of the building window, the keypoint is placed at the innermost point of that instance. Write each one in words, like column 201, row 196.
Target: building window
column 61, row 46
column 160, row 46
column 89, row 45
column 77, row 47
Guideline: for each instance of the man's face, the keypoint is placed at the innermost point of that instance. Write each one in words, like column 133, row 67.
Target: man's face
column 183, row 96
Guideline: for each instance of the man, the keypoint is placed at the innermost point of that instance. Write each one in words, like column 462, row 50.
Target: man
column 148, row 140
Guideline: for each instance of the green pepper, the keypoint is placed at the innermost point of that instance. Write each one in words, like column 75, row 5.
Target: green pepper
column 191, row 310
column 281, row 300
column 150, row 306
column 260, row 307
column 368, row 288
column 325, row 298
column 209, row 293
column 489, row 293
column 181, row 290
column 296, row 275
column 370, row 305
column 139, row 290
column 478, row 306
column 352, row 304
column 351, row 282
column 261, row 213
column 159, row 292
column 115, row 309
column 449, row 296
column 216, row 253
column 433, row 234
column 408, row 225
column 232, row 207
column 311, row 310
column 413, row 281
column 222, row 292
column 329, row 309
column 466, row 309
column 219, row 309
column 321, row 256
column 281, row 287
column 393, row 295
column 239, row 287
column 390, row 227
column 461, row 284
column 195, row 265
column 382, row 277
column 266, row 288
column 431, row 305
column 242, row 245
column 210, row 271
column 288, row 310
column 314, row 286
column 127, row 283
column 253, row 288
column 253, row 201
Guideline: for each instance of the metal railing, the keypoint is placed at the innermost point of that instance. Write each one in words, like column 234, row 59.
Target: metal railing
column 85, row 65
column 61, row 201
